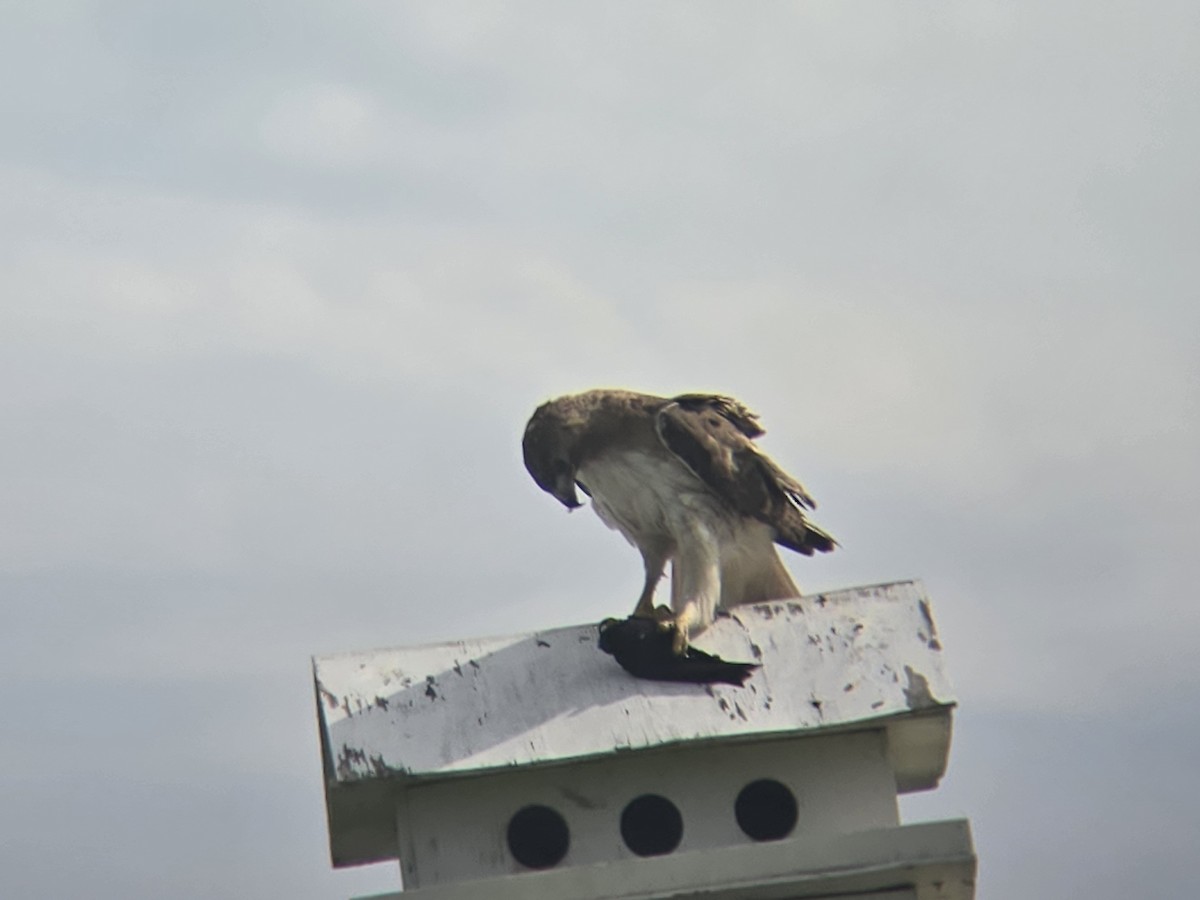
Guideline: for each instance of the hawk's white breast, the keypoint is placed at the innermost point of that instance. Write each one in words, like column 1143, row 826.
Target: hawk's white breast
column 646, row 496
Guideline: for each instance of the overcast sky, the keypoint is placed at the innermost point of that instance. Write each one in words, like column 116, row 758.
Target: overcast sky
column 280, row 284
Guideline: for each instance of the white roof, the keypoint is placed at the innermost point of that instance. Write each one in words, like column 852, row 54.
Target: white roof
column 859, row 658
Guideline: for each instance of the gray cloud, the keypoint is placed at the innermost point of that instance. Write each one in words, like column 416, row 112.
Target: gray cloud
column 279, row 288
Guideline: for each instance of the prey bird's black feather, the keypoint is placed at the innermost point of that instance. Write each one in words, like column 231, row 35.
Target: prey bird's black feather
column 643, row 648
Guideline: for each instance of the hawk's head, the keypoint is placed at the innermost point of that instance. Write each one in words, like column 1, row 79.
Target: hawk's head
column 550, row 447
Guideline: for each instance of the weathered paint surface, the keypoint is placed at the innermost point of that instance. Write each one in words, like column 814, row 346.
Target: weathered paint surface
column 835, row 660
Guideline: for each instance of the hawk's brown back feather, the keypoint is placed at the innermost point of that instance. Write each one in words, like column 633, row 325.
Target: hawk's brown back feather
column 712, row 435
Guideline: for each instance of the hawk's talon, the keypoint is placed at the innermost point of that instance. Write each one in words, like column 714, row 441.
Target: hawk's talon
column 679, row 641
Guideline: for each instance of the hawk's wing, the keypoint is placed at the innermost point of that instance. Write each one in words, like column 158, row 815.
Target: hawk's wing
column 733, row 411
column 712, row 435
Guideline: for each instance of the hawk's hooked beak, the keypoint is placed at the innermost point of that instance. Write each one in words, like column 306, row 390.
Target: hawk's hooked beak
column 564, row 491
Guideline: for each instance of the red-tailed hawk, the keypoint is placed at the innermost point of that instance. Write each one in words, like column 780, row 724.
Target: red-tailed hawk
column 682, row 479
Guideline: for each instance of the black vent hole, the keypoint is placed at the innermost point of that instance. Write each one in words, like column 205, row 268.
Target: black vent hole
column 538, row 837
column 766, row 810
column 651, row 825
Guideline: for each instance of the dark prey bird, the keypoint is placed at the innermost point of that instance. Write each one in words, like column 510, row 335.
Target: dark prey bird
column 682, row 479
column 644, row 650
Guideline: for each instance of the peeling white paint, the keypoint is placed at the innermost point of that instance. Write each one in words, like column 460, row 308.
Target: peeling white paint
column 828, row 660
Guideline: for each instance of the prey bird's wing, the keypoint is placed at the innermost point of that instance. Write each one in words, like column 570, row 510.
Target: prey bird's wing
column 713, row 436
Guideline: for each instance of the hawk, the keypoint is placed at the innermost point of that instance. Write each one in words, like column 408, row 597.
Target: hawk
column 682, row 479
